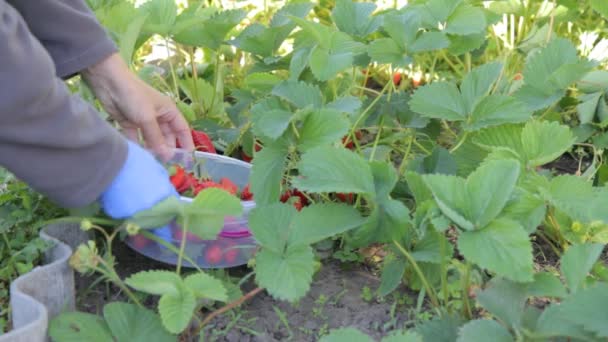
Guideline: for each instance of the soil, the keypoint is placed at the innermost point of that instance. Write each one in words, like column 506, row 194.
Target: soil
column 340, row 296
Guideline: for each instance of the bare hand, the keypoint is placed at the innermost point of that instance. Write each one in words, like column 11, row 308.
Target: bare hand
column 136, row 107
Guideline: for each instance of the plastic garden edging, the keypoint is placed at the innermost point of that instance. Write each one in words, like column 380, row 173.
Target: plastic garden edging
column 47, row 290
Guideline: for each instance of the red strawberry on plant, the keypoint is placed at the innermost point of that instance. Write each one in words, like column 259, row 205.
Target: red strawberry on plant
column 300, row 194
column 348, row 143
column 213, row 254
column 297, row 202
column 396, row 78
column 179, row 179
column 348, row 198
column 286, row 196
column 248, row 158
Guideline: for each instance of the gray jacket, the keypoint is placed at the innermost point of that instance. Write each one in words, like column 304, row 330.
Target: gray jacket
column 49, row 138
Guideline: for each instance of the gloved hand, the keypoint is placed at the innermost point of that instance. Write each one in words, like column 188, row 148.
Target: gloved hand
column 140, row 184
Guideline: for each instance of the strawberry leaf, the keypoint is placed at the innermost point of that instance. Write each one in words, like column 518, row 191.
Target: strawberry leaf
column 79, row 326
column 299, row 93
column 320, row 221
column 451, row 107
column 129, row 322
column 355, row 18
column 393, row 269
column 159, row 215
column 327, row 62
column 267, row 173
column 478, row 330
column 600, row 7
column 387, row 51
column 545, row 141
column 504, row 299
column 176, row 310
column 478, row 83
column 330, row 169
column 502, row 247
column 155, row 282
column 205, row 216
column 345, row 335
column 271, row 225
column 466, row 19
column 286, row 276
column 577, row 262
column 205, row 286
column 269, row 119
column 196, row 31
column 322, row 127
column 496, row 110
column 546, row 285
column 429, row 41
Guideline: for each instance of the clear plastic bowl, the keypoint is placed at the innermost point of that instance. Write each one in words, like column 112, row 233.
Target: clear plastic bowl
column 234, row 245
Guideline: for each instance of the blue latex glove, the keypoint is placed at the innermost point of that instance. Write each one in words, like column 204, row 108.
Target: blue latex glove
column 140, row 184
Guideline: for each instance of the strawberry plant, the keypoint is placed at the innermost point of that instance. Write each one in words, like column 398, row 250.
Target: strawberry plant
column 436, row 132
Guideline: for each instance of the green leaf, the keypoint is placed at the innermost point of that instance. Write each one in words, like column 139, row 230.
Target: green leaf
column 389, row 221
column 79, row 326
column 418, row 188
column 386, row 51
column 600, row 7
column 355, row 18
column 586, row 309
column 495, row 110
column 393, row 269
column 262, row 82
column 465, row 20
column 440, row 10
column 267, row 173
column 429, row 41
column 526, row 208
column 460, row 45
column 128, row 40
column 129, row 322
column 505, row 299
column 299, row 93
column 323, row 220
column 205, row 286
column 477, row 201
column 271, row 225
column 440, row 329
column 577, row 262
column 502, row 247
column 345, row 335
column 176, row 310
column 159, row 215
column 345, row 104
column 155, row 282
column 286, row 276
column 480, row 329
column 402, row 336
column 322, row 127
column 259, row 40
column 268, row 120
column 429, row 248
column 205, row 215
column 331, row 169
column 546, row 284
column 211, row 32
column 161, row 16
column 545, row 141
column 326, row 63
column 451, row 107
column 478, row 83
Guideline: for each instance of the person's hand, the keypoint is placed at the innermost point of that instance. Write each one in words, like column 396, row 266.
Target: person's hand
column 136, row 107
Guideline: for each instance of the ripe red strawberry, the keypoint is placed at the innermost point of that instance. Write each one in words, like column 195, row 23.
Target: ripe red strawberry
column 202, row 142
column 297, row 202
column 300, row 194
column 348, row 198
column 246, row 194
column 349, row 143
column 518, row 76
column 213, row 254
column 228, row 185
column 179, row 179
column 286, row 196
column 248, row 158
column 396, row 78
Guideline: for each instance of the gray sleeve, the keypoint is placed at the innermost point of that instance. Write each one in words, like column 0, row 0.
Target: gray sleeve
column 68, row 30
column 49, row 138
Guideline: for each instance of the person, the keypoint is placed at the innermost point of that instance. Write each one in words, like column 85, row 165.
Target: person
column 58, row 143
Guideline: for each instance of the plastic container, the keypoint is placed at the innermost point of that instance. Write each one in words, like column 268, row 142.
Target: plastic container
column 234, row 245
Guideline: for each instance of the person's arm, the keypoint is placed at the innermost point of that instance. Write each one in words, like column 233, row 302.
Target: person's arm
column 69, row 32
column 78, row 44
column 52, row 140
